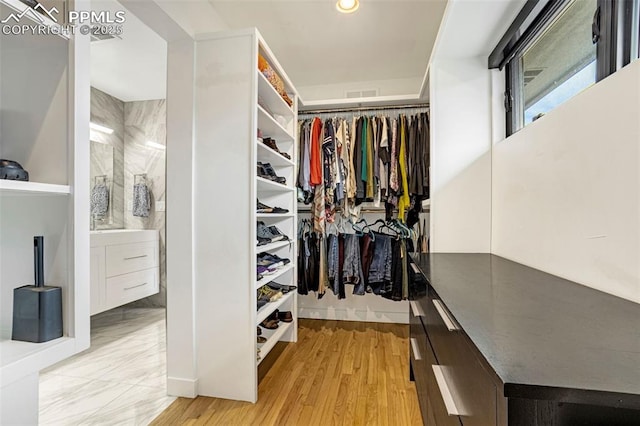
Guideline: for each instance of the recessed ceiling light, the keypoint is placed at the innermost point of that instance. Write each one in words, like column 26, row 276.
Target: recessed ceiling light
column 347, row 6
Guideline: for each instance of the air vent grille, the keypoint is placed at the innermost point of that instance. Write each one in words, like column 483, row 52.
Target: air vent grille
column 368, row 93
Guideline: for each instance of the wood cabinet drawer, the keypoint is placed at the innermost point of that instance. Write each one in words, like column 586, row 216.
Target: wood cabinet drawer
column 126, row 258
column 472, row 389
column 417, row 354
column 437, row 411
column 129, row 287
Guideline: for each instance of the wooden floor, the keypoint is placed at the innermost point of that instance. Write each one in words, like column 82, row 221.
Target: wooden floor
column 338, row 373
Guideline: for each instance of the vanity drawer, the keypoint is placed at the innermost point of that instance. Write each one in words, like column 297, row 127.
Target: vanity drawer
column 125, row 258
column 129, row 287
column 472, row 388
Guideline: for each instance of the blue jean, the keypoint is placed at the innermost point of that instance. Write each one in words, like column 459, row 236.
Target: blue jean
column 352, row 268
column 380, row 269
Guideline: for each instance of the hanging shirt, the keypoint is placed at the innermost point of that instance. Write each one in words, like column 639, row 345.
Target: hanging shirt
column 351, row 142
column 315, row 154
column 404, row 201
column 383, row 158
column 393, row 177
column 370, row 167
column 304, row 176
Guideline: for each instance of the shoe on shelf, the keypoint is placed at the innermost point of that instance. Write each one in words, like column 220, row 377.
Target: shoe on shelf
column 267, row 172
column 266, row 270
column 272, row 144
column 272, row 259
column 281, row 287
column 259, row 331
column 267, row 234
column 262, row 339
column 263, row 208
column 277, row 232
column 285, row 316
column 269, row 323
column 267, row 294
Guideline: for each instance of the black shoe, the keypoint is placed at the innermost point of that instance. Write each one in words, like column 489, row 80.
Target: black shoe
column 266, row 171
column 263, row 208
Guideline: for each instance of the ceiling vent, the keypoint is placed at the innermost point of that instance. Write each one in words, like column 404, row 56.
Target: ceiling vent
column 98, row 34
column 369, row 93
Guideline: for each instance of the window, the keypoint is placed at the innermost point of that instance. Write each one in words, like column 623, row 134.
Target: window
column 557, row 48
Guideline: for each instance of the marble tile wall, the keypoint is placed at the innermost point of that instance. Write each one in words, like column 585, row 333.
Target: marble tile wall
column 145, row 121
column 109, row 112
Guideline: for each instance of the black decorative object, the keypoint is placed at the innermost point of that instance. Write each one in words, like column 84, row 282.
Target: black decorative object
column 37, row 309
column 12, row 170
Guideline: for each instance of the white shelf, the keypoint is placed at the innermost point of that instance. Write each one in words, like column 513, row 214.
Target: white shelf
column 273, row 246
column 266, row 185
column 268, row 155
column 268, row 309
column 273, row 337
column 272, row 277
column 15, row 187
column 271, row 128
column 270, row 96
column 37, row 18
column 274, row 215
column 20, row 358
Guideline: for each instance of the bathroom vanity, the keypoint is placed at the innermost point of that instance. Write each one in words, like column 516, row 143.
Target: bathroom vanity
column 124, row 267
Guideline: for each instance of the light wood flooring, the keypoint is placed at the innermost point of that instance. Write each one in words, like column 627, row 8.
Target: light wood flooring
column 342, row 373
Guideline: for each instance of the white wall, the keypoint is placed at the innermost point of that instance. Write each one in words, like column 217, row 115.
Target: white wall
column 460, row 155
column 181, row 358
column 566, row 189
column 400, row 86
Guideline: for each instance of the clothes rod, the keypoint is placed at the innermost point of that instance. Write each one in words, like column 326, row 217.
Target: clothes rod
column 372, row 108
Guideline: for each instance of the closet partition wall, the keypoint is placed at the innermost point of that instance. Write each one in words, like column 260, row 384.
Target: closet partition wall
column 234, row 104
column 368, row 307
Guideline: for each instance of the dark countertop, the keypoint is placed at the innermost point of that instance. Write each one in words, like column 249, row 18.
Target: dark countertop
column 538, row 330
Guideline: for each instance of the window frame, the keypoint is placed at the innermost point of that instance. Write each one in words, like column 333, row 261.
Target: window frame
column 619, row 38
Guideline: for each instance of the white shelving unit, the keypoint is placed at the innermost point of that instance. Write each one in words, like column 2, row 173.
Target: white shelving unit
column 44, row 93
column 14, row 187
column 228, row 115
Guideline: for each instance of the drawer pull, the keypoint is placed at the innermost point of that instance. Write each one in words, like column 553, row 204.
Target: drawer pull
column 416, row 309
column 451, row 326
column 414, row 347
column 135, row 286
column 136, row 257
column 449, row 403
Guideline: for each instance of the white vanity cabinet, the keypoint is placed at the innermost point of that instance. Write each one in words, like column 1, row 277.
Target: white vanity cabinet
column 124, row 267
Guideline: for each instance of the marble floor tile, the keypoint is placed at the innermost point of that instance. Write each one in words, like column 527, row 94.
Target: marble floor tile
column 139, row 368
column 137, row 406
column 128, row 350
column 79, row 402
column 54, row 388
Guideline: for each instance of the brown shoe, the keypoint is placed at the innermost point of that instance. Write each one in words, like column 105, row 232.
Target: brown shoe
column 285, row 316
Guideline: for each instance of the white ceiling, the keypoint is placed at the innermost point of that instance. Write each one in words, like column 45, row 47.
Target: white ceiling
column 386, row 44
column 316, row 45
column 133, row 68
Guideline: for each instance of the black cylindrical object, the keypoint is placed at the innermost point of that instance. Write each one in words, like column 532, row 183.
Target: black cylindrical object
column 38, row 261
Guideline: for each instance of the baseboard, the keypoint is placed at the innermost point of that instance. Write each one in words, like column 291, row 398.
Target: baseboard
column 348, row 314
column 187, row 388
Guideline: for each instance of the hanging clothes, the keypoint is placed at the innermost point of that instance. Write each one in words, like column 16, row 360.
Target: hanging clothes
column 315, row 162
